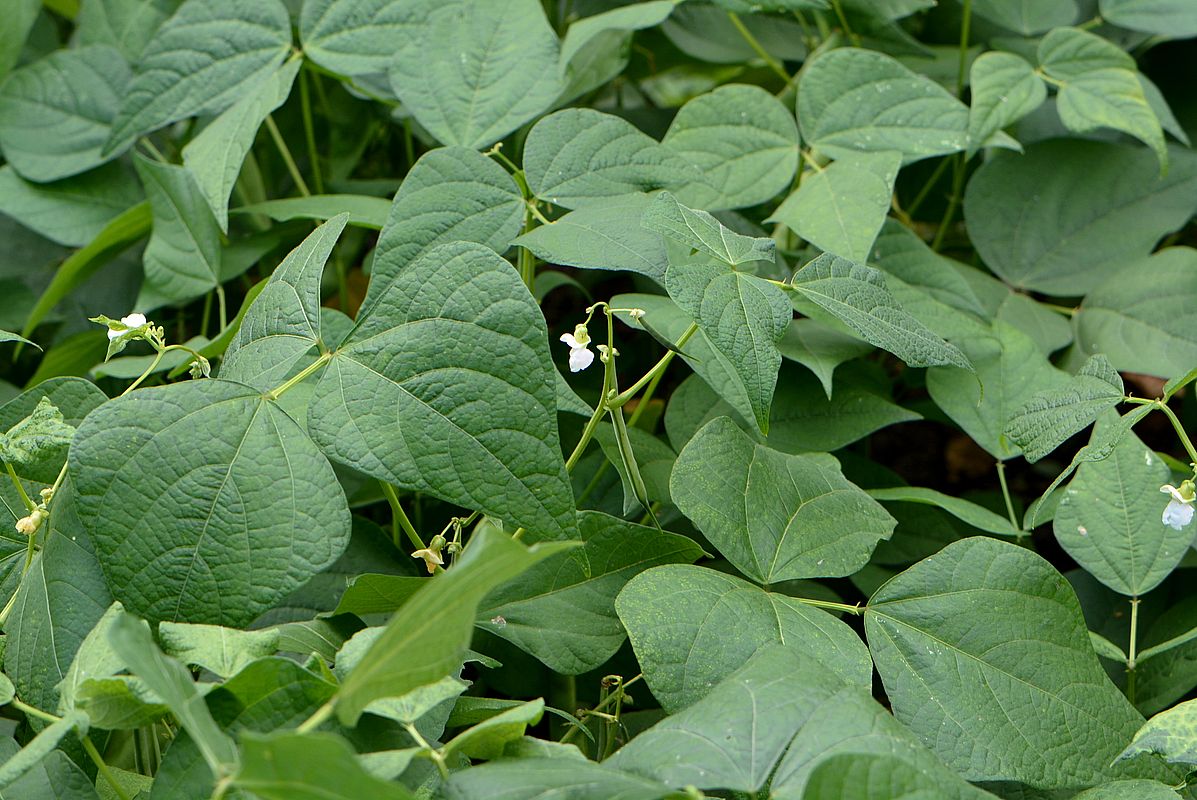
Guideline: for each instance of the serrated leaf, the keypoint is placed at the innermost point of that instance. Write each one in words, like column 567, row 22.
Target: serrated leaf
column 182, row 259
column 199, row 62
column 72, row 211
column 699, row 230
column 743, row 141
column 984, row 654
column 283, row 323
column 1011, row 369
column 1143, row 318
column 214, row 157
column 170, row 680
column 743, row 318
column 716, row 623
column 432, row 629
column 75, row 93
column 853, row 100
column 562, row 610
column 575, row 156
column 451, row 194
column 857, row 296
column 775, row 516
column 1170, row 18
column 476, row 71
column 1069, row 214
column 1100, row 87
column 228, row 462
column 316, row 766
column 1109, row 520
column 1050, row 417
column 604, row 234
column 1004, row 89
column 840, row 208
column 491, row 443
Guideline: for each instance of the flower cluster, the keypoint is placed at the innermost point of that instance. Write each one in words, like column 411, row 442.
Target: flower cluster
column 1179, row 511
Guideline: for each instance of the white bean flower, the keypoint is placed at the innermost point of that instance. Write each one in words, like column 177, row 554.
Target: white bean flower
column 130, row 322
column 580, row 356
column 1179, row 511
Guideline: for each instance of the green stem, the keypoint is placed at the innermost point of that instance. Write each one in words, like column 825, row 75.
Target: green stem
column 205, row 318
column 222, row 308
column 1131, row 651
column 299, row 377
column 856, row 609
column 934, row 179
column 309, row 130
column 102, row 767
column 587, row 433
column 642, row 404
column 154, row 151
column 30, row 506
column 318, row 717
column 603, row 704
column 839, row 12
column 433, row 753
column 31, row 711
column 285, row 152
column 149, row 371
column 659, row 367
column 1001, row 471
column 767, row 57
column 953, row 201
column 1180, row 430
column 399, row 517
column 965, row 23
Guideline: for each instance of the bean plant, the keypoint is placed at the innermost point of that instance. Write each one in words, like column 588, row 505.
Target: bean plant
column 592, row 399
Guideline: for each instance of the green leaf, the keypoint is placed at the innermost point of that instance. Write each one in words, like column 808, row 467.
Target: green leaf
column 127, row 25
column 851, row 776
column 200, row 62
column 39, row 747
column 118, row 235
column 900, row 253
column 283, row 323
column 7, row 690
column 22, row 16
column 734, row 737
column 857, row 296
column 578, row 155
column 775, row 516
column 594, row 49
column 314, row 766
column 604, row 234
column 52, row 778
column 743, row 141
column 578, row 779
column 1004, row 89
column 487, row 739
column 182, row 259
column 743, row 318
column 60, row 599
column 715, row 623
column 1011, row 369
column 840, row 209
column 214, row 157
column 1028, row 17
column 968, row 513
column 1051, row 416
column 562, row 610
column 1109, row 520
column 73, row 211
column 1169, row 18
column 1069, row 214
column 853, row 100
column 452, row 194
column 984, row 654
column 1100, row 87
column 359, row 37
column 1172, row 735
column 820, row 348
column 432, row 629
column 119, row 703
column 74, row 399
column 9, row 336
column 36, row 436
column 223, row 651
column 1141, row 790
column 376, row 594
column 220, row 461
column 1143, row 318
column 170, row 680
column 75, row 93
column 490, row 443
column 364, row 211
column 474, row 71
column 702, row 232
